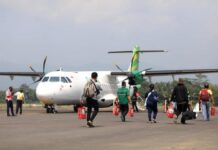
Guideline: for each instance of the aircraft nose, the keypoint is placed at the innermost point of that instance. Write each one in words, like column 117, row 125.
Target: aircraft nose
column 44, row 94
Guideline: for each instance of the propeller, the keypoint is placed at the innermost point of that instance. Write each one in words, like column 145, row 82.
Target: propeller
column 134, row 77
column 41, row 75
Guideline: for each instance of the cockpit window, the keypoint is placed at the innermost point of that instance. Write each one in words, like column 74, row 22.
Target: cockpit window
column 69, row 80
column 45, row 79
column 54, row 79
column 64, row 80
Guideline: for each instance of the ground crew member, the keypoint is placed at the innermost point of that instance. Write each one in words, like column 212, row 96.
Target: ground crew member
column 91, row 91
column 180, row 97
column 20, row 100
column 123, row 99
column 134, row 99
column 9, row 100
column 204, row 98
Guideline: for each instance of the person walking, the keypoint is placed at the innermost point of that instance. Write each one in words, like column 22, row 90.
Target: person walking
column 9, row 100
column 134, row 99
column 180, row 97
column 91, row 91
column 123, row 99
column 20, row 100
column 206, row 98
column 151, row 103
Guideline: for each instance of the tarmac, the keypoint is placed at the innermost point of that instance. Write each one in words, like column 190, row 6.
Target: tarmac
column 36, row 130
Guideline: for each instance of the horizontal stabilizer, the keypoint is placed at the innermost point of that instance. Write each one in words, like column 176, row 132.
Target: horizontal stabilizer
column 141, row 51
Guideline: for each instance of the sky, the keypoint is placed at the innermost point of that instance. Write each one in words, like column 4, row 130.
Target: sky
column 76, row 35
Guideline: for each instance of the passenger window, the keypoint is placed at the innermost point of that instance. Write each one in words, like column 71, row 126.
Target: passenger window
column 45, row 79
column 64, row 80
column 54, row 79
column 68, row 80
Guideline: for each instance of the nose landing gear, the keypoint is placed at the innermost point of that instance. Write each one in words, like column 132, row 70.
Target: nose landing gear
column 50, row 108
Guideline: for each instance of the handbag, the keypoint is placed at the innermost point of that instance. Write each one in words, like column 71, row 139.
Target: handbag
column 81, row 113
column 131, row 112
column 170, row 111
column 213, row 111
column 115, row 110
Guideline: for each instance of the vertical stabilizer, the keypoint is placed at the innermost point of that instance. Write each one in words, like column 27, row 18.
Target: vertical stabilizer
column 134, row 65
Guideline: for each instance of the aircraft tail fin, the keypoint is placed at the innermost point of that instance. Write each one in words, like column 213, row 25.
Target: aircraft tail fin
column 134, row 64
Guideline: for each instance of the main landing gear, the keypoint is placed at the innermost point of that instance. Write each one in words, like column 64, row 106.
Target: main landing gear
column 75, row 108
column 50, row 108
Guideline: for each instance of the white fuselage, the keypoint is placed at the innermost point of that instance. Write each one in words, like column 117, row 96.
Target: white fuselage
column 66, row 88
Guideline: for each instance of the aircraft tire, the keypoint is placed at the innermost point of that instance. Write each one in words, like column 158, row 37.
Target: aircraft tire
column 75, row 108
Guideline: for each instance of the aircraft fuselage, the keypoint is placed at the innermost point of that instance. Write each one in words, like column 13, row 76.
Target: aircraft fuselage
column 66, row 88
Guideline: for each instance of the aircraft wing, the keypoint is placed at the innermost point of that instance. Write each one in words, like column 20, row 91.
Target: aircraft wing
column 169, row 72
column 179, row 72
column 27, row 74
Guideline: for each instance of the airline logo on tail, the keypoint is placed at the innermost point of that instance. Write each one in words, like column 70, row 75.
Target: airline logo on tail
column 134, row 65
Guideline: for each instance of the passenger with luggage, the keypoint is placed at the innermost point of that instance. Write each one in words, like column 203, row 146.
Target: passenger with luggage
column 206, row 99
column 180, row 97
column 91, row 91
column 151, row 103
column 134, row 99
column 123, row 99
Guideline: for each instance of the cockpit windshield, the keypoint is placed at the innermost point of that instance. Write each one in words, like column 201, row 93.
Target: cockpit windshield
column 68, row 80
column 54, row 79
column 45, row 79
column 64, row 80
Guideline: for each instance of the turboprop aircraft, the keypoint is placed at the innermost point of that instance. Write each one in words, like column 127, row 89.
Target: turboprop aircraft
column 66, row 87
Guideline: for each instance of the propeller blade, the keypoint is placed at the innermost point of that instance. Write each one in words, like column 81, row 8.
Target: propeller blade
column 32, row 68
column 44, row 64
column 119, row 68
column 40, row 78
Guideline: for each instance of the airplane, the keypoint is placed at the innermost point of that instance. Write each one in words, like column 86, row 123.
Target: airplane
column 66, row 87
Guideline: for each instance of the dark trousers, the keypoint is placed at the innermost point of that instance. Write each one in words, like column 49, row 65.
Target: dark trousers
column 19, row 106
column 134, row 106
column 10, row 106
column 124, row 108
column 152, row 109
column 92, row 103
column 181, row 108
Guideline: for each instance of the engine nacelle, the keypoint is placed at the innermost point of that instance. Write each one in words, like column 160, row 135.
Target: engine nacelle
column 106, row 100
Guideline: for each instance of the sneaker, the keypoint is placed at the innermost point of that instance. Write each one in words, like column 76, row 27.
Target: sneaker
column 90, row 125
column 122, row 118
column 154, row 121
column 149, row 121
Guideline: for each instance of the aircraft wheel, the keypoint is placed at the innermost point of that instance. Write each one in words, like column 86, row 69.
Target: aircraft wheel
column 75, row 108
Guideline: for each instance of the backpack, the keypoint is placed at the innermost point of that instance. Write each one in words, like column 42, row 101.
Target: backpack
column 89, row 89
column 152, row 98
column 204, row 95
